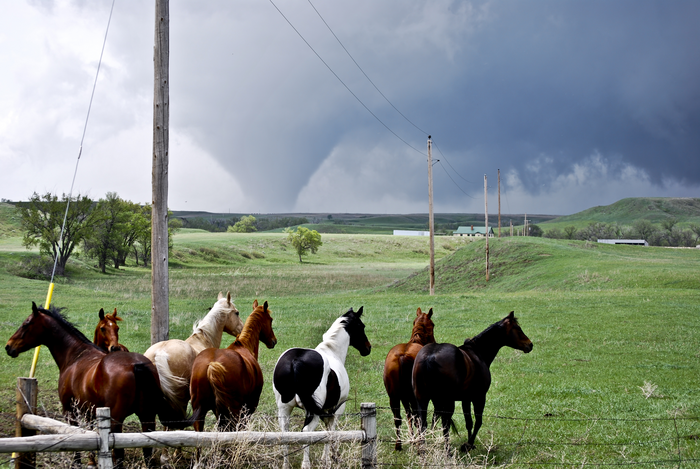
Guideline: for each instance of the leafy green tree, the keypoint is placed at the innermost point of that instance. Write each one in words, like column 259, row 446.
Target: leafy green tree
column 695, row 229
column 245, row 225
column 304, row 240
column 112, row 232
column 570, row 232
column 535, row 230
column 643, row 228
column 42, row 218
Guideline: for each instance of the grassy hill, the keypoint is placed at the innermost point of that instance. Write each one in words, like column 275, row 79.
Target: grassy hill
column 529, row 264
column 9, row 221
column 626, row 211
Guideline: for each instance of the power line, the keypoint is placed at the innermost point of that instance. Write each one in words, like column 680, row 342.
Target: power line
column 342, row 82
column 363, row 72
column 453, row 169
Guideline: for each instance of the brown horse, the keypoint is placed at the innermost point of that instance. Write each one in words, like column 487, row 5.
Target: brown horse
column 229, row 381
column 398, row 371
column 125, row 382
column 107, row 333
column 174, row 357
column 444, row 373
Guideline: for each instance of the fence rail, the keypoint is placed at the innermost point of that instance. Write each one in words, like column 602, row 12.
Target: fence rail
column 67, row 438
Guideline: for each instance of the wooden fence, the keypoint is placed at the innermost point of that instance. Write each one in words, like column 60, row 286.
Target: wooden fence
column 63, row 437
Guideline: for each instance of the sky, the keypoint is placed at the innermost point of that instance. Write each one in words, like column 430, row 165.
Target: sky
column 314, row 106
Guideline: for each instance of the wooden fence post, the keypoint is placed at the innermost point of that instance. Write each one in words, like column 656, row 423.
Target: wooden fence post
column 26, row 404
column 104, row 428
column 368, row 413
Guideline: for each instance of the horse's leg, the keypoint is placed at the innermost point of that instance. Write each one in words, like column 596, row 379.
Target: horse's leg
column 283, row 413
column 311, row 426
column 395, row 404
column 467, row 410
column 117, row 454
column 479, row 403
column 446, row 410
column 148, row 424
column 330, row 446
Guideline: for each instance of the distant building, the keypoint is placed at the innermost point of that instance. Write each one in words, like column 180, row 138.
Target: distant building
column 473, row 231
column 631, row 242
column 411, row 233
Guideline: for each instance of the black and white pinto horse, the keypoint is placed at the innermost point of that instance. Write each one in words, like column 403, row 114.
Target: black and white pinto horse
column 316, row 380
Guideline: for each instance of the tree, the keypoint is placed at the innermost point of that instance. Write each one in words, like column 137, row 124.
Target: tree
column 304, row 240
column 42, row 218
column 535, row 230
column 244, row 225
column 643, row 228
column 110, row 223
column 570, row 232
column 695, row 229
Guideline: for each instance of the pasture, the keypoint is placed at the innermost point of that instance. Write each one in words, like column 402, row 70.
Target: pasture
column 613, row 379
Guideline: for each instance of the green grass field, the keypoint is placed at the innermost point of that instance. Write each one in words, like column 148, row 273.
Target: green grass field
column 614, row 377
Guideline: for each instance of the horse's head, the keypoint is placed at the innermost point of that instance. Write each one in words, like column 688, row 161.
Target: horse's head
column 422, row 332
column 356, row 330
column 107, row 332
column 267, row 335
column 29, row 334
column 516, row 338
column 233, row 324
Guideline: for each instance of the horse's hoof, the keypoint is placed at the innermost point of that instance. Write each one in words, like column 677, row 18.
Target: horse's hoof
column 398, row 447
column 466, row 447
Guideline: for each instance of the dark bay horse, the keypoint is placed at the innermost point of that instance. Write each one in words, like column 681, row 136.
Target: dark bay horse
column 444, row 373
column 229, row 381
column 316, row 380
column 398, row 371
column 107, row 332
column 125, row 382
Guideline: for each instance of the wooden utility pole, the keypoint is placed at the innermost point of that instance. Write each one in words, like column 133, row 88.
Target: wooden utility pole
column 525, row 226
column 430, row 216
column 486, row 221
column 499, row 203
column 159, row 207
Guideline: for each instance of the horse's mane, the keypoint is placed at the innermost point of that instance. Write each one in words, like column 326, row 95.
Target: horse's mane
column 209, row 323
column 56, row 313
column 471, row 343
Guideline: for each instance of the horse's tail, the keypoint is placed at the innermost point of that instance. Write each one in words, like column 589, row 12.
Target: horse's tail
column 176, row 389
column 216, row 374
column 406, row 382
column 152, row 396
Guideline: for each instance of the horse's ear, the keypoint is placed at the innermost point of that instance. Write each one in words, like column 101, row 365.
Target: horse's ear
column 430, row 313
column 265, row 306
column 114, row 315
column 255, row 304
column 102, row 314
column 359, row 311
column 418, row 312
column 511, row 316
column 228, row 298
column 34, row 308
column 221, row 295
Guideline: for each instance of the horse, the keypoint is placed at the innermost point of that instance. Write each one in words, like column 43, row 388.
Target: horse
column 174, row 358
column 229, row 381
column 88, row 378
column 316, row 380
column 398, row 371
column 445, row 373
column 107, row 333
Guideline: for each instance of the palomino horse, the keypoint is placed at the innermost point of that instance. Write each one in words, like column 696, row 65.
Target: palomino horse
column 444, row 373
column 125, row 382
column 316, row 380
column 107, row 333
column 229, row 381
column 174, row 357
column 398, row 371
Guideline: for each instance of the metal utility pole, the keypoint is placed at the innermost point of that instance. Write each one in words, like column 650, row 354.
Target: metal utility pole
column 430, row 216
column 159, row 207
column 486, row 221
column 499, row 203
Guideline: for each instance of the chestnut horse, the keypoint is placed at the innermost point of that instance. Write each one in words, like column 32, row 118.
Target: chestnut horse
column 174, row 357
column 229, row 381
column 398, row 372
column 88, row 377
column 107, row 333
column 445, row 373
